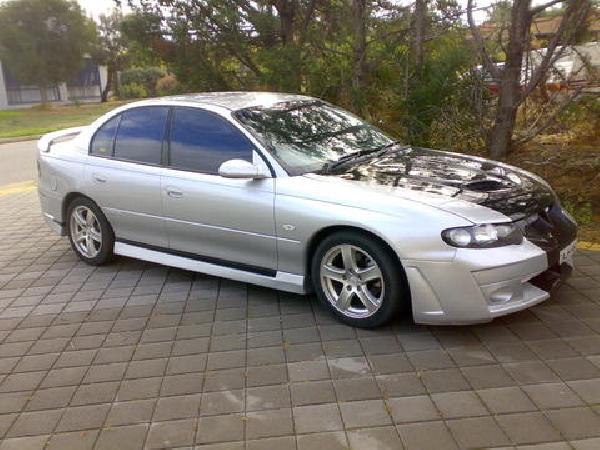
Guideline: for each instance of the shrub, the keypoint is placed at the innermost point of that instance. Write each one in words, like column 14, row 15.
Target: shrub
column 167, row 85
column 133, row 90
column 143, row 76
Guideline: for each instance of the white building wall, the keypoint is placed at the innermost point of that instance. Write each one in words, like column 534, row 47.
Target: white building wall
column 3, row 94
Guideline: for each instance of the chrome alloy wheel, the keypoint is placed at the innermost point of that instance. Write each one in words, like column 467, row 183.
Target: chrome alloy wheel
column 85, row 231
column 352, row 281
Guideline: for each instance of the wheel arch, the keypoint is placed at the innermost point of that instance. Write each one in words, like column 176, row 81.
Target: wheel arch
column 68, row 199
column 325, row 232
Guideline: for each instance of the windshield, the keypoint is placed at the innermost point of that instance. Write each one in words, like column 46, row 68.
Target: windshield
column 306, row 136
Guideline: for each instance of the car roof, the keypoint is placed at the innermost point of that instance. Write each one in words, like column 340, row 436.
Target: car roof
column 238, row 100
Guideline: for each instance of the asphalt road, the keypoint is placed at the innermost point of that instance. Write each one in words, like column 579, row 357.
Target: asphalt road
column 17, row 162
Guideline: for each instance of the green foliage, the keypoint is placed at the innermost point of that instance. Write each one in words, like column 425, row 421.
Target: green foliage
column 133, row 90
column 167, row 85
column 581, row 211
column 145, row 77
column 439, row 94
column 43, row 42
column 580, row 121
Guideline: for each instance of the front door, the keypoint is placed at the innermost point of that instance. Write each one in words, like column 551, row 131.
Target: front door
column 227, row 221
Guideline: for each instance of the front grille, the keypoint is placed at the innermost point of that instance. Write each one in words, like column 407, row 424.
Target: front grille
column 550, row 229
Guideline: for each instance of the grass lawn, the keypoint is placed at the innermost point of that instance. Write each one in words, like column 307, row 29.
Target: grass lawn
column 39, row 120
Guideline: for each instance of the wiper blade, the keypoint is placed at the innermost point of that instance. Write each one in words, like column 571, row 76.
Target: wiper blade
column 375, row 151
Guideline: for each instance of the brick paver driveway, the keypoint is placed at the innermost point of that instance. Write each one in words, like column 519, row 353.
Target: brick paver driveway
column 137, row 355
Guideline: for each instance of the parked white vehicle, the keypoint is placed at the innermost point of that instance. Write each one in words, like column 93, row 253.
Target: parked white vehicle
column 292, row 193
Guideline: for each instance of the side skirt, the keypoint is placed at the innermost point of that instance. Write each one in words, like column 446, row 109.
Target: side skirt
column 284, row 281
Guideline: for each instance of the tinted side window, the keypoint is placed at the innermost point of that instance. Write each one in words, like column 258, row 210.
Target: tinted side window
column 140, row 134
column 202, row 141
column 102, row 143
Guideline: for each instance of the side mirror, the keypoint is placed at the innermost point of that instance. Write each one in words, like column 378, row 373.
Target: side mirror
column 238, row 168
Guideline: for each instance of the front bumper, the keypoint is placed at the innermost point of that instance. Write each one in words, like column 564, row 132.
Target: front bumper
column 481, row 284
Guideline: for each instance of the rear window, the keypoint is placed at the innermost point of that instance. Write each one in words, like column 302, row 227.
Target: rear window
column 140, row 134
column 102, row 143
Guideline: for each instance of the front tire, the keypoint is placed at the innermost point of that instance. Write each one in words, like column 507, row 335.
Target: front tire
column 90, row 234
column 359, row 279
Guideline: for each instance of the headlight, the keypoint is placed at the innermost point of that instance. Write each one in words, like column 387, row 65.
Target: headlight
column 483, row 236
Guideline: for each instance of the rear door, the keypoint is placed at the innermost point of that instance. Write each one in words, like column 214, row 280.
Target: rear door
column 124, row 173
column 229, row 221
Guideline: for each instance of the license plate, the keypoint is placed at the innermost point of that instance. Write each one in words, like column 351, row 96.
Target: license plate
column 566, row 254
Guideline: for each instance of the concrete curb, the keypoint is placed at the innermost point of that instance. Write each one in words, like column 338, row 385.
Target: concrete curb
column 19, row 139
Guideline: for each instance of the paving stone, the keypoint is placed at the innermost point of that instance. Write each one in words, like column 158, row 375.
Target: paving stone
column 132, row 412
column 348, row 367
column 186, row 364
column 445, row 380
column 26, row 381
column 139, row 389
column 50, row 398
column 146, row 368
column 308, row 371
column 81, row 440
column 488, row 377
column 315, row 418
column 95, row 393
column 69, row 376
column 223, row 428
column 24, row 443
column 506, row 400
column 180, row 407
column 365, row 413
column 427, row 436
column 528, row 428
column 570, row 369
column 350, row 389
column 575, row 423
column 182, row 384
column 13, row 401
column 223, row 380
column 531, row 372
column 312, row 392
column 223, row 402
column 34, row 423
column 123, row 438
column 453, row 405
column 477, row 432
column 412, row 409
column 83, row 417
column 317, row 441
column 276, row 443
column 105, row 372
column 384, row 438
column 176, row 433
column 588, row 390
column 267, row 397
column 552, row 395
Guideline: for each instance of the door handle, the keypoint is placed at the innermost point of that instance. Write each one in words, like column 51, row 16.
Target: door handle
column 173, row 193
column 99, row 178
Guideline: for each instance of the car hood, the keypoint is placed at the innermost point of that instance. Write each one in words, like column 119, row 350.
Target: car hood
column 451, row 181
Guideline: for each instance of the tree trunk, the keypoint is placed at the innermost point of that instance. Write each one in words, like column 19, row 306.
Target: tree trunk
column 110, row 73
column 359, row 66
column 44, row 93
column 510, row 95
column 419, row 28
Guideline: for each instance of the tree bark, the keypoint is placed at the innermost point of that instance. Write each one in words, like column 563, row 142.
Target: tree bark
column 109, row 80
column 44, row 93
column 359, row 66
column 510, row 95
column 419, row 29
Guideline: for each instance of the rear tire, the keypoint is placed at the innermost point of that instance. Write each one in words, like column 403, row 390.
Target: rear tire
column 90, row 234
column 359, row 279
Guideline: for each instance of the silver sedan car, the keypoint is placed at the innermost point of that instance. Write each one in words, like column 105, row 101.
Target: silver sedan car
column 293, row 193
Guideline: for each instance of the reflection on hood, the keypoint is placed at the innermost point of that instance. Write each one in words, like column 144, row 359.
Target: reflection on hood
column 506, row 189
